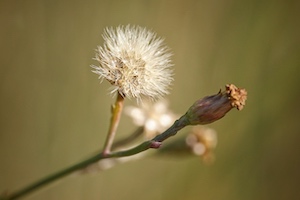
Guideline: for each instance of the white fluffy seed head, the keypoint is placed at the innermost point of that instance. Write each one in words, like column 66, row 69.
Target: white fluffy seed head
column 135, row 62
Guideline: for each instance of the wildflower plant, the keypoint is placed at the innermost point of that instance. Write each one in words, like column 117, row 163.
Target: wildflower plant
column 138, row 65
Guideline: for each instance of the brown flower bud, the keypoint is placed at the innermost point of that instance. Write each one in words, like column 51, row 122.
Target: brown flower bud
column 237, row 96
column 212, row 108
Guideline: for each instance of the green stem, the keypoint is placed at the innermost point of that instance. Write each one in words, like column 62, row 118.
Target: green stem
column 138, row 132
column 178, row 124
column 114, row 123
column 53, row 177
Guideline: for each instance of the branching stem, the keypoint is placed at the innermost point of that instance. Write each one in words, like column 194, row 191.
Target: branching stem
column 178, row 124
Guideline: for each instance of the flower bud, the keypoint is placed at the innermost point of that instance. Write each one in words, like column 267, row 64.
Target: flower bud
column 214, row 107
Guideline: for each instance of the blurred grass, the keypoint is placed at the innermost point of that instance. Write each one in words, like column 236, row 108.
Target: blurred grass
column 54, row 112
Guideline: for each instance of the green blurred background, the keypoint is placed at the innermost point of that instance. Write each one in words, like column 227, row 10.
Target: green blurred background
column 54, row 112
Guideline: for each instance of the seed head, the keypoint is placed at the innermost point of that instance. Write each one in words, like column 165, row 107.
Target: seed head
column 135, row 62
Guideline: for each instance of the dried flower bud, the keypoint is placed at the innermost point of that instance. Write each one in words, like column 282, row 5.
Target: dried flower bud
column 135, row 62
column 237, row 96
column 212, row 108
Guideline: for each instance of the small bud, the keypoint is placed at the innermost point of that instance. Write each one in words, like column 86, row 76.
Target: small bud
column 155, row 144
column 212, row 108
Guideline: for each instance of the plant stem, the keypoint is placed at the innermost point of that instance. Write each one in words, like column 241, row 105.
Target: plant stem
column 178, row 124
column 52, row 178
column 138, row 132
column 114, row 123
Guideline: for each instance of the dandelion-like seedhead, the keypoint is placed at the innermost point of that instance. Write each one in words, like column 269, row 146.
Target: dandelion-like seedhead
column 135, row 61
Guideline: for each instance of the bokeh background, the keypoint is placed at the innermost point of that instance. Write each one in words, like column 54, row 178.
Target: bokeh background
column 55, row 113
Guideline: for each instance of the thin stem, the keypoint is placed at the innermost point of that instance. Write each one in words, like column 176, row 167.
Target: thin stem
column 178, row 124
column 53, row 177
column 114, row 123
column 138, row 132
